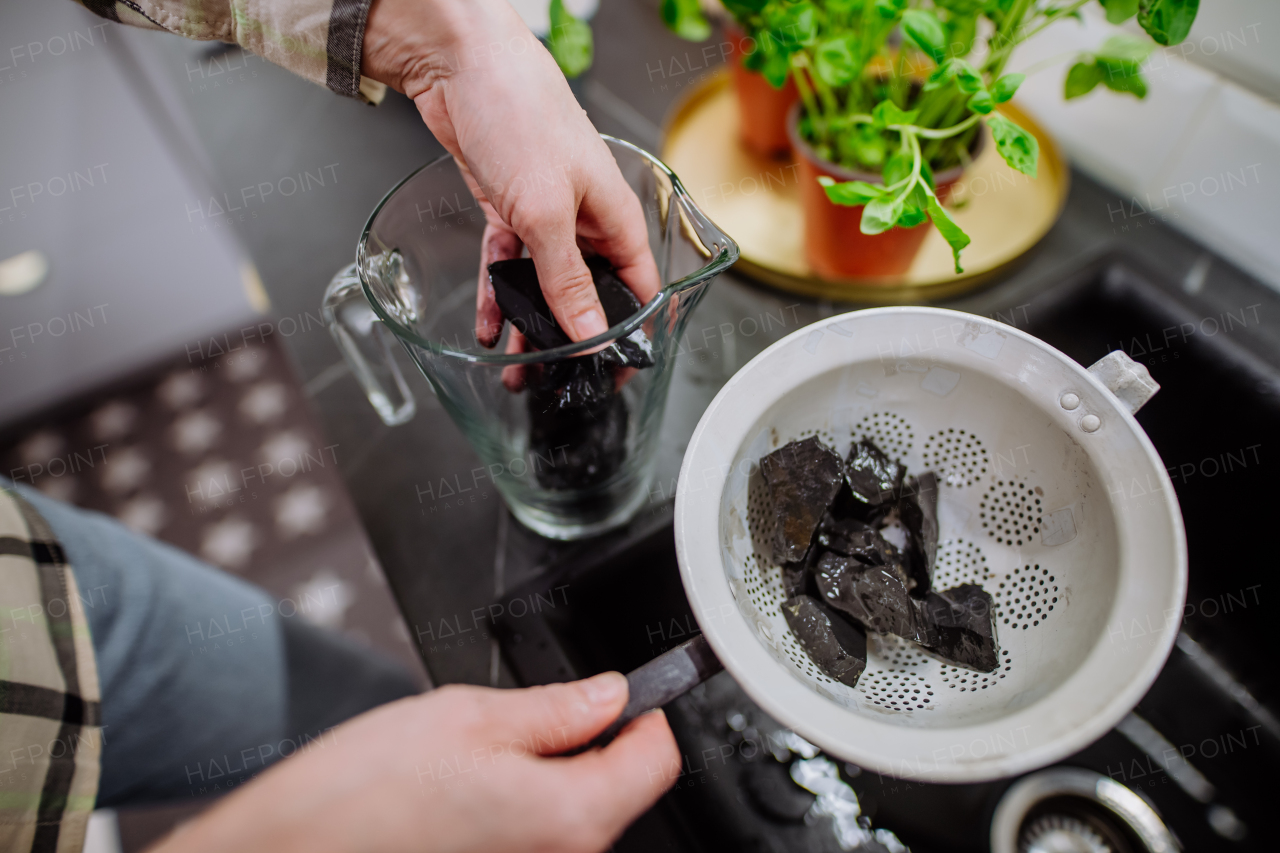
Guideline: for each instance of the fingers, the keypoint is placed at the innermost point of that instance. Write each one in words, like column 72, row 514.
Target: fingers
column 513, row 374
column 558, row 717
column 612, row 216
column 498, row 244
column 615, row 785
column 565, row 279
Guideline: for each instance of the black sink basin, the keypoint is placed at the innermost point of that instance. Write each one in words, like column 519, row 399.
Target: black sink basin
column 1214, row 423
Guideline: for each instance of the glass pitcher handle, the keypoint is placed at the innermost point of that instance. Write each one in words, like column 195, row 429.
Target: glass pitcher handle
column 366, row 344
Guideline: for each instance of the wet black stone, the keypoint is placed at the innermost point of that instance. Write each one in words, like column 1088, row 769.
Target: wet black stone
column 802, row 478
column 519, row 296
column 797, row 579
column 576, row 447
column 873, row 478
column 619, row 303
column 851, row 537
column 577, row 419
column 770, row 789
column 918, row 510
column 836, row 646
column 959, row 626
column 875, row 596
column 572, row 383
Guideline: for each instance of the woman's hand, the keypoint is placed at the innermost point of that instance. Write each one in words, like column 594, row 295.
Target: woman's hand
column 459, row 769
column 497, row 101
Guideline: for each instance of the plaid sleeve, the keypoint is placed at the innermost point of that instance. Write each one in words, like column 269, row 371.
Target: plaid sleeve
column 321, row 40
column 50, row 732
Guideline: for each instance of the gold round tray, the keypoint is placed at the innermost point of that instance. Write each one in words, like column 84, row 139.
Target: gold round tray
column 756, row 200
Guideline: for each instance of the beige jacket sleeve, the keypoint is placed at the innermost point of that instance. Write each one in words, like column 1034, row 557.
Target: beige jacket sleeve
column 317, row 39
column 50, row 704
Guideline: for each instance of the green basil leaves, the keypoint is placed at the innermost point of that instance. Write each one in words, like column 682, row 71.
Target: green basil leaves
column 1117, row 65
column 925, row 31
column 1167, row 21
column 569, row 41
column 1018, row 148
column 685, row 19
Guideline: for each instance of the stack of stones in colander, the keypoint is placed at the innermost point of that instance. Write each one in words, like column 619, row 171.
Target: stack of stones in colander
column 857, row 539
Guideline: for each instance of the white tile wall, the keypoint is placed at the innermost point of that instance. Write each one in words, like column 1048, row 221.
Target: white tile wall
column 1239, row 39
column 1200, row 146
column 1223, row 182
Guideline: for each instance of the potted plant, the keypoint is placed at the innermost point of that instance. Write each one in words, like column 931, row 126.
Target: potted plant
column 896, row 96
column 762, row 105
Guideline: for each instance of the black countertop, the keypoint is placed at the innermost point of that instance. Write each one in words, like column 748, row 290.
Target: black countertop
column 447, row 560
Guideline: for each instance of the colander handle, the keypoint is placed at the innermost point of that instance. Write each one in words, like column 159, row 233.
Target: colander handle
column 668, row 676
column 1128, row 380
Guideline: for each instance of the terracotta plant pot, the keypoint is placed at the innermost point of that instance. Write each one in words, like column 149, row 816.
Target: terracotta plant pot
column 834, row 245
column 762, row 109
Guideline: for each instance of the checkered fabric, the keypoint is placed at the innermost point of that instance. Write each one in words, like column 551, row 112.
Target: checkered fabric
column 50, row 714
column 321, row 40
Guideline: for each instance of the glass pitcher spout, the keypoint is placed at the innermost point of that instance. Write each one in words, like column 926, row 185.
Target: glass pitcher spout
column 567, row 435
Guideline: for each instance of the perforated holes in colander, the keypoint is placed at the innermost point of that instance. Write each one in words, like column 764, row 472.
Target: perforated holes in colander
column 891, row 433
column 1026, row 598
column 966, row 680
column 1010, row 512
column 892, row 679
column 757, row 567
column 823, row 435
column 960, row 561
column 957, row 456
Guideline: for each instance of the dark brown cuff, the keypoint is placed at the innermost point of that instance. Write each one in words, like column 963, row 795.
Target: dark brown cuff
column 346, row 45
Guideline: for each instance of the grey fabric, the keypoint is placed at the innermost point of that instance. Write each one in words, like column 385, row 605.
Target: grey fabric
column 191, row 660
column 203, row 680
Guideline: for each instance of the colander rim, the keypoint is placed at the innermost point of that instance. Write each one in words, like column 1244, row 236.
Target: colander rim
column 734, row 412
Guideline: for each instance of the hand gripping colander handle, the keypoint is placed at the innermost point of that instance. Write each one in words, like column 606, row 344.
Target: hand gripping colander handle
column 668, row 676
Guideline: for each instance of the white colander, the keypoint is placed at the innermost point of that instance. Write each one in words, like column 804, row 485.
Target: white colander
column 1052, row 498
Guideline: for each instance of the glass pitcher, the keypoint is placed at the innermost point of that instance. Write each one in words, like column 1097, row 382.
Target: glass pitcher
column 567, row 468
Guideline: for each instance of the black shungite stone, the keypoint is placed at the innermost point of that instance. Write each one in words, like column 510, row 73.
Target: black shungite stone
column 576, row 447
column 873, row 478
column 582, row 381
column 619, row 303
column 853, row 538
column 519, row 295
column 959, row 626
column 577, row 419
column 802, row 478
column 843, row 578
column 837, row 648
column 873, row 595
column 918, row 510
column 796, row 579
column 771, row 791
